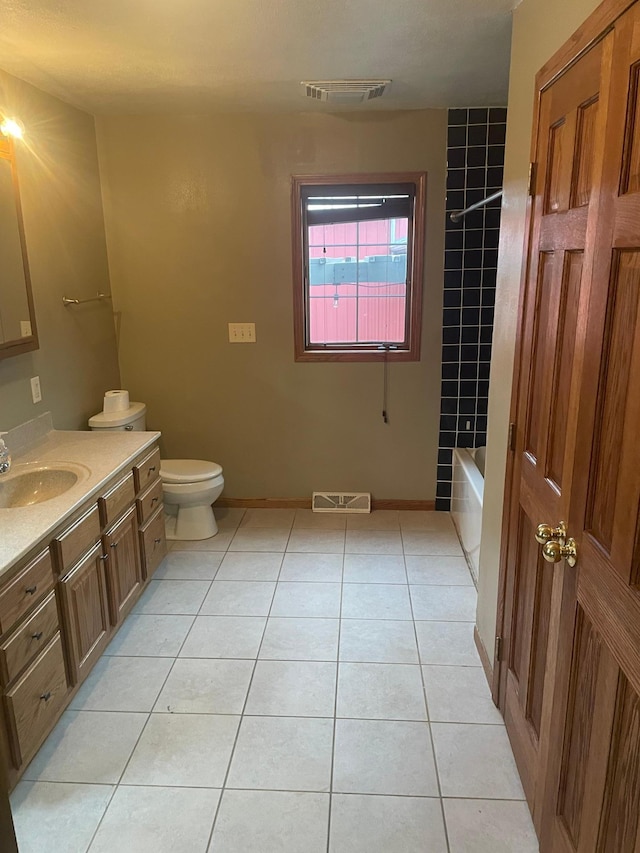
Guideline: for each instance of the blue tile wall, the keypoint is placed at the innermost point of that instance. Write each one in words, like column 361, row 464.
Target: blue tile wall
column 475, row 160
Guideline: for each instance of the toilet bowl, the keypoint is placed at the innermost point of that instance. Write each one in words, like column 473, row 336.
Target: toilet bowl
column 190, row 486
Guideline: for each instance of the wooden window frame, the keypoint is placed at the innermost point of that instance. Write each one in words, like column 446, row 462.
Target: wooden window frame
column 304, row 351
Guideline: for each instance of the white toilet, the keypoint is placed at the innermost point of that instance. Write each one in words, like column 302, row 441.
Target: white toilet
column 190, row 486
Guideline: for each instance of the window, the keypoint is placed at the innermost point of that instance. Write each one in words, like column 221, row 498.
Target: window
column 358, row 244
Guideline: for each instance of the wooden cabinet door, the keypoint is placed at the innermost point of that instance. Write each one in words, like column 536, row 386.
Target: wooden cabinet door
column 572, row 625
column 124, row 565
column 86, row 611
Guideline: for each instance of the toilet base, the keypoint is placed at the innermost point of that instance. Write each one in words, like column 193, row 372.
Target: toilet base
column 190, row 523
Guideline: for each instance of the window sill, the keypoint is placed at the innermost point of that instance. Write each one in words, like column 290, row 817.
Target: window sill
column 357, row 356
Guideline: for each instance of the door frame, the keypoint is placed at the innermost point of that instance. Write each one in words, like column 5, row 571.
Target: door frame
column 594, row 28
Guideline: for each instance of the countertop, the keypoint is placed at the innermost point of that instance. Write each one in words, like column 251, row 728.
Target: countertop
column 103, row 453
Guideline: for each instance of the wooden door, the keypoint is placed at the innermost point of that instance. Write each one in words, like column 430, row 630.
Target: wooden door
column 124, row 566
column 572, row 669
column 84, row 597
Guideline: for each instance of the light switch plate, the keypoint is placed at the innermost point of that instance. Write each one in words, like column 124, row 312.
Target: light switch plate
column 36, row 393
column 25, row 328
column 242, row 333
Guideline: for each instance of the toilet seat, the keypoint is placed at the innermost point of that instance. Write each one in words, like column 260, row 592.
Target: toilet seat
column 188, row 470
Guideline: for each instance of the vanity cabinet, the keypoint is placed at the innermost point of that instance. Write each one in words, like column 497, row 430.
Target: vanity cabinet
column 60, row 607
column 124, row 565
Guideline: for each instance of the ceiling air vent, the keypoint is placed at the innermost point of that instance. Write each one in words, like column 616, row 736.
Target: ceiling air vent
column 345, row 91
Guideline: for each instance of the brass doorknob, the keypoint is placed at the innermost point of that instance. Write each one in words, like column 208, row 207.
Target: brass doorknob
column 554, row 551
column 545, row 533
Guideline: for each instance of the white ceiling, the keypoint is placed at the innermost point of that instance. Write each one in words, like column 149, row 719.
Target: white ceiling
column 127, row 56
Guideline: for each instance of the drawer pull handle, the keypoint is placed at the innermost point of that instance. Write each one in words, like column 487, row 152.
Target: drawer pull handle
column 114, row 544
column 151, row 470
column 37, row 635
column 103, row 557
column 30, row 590
column 158, row 540
column 154, row 501
column 46, row 696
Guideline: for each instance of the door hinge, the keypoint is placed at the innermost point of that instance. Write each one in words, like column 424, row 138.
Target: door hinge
column 512, row 437
column 532, row 179
column 497, row 652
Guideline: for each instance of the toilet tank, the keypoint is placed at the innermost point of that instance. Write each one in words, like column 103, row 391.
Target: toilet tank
column 132, row 419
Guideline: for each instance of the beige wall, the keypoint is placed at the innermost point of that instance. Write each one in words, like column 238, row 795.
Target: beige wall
column 198, row 231
column 534, row 41
column 62, row 209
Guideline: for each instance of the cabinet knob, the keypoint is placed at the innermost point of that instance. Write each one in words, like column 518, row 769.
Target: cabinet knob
column 37, row 635
column 30, row 590
column 158, row 540
column 103, row 557
column 114, row 545
column 151, row 470
column 46, row 696
column 154, row 501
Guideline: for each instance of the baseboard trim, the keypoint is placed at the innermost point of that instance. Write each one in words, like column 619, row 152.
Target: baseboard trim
column 305, row 503
column 484, row 657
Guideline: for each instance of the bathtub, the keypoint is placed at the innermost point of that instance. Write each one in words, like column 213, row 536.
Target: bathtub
column 466, row 501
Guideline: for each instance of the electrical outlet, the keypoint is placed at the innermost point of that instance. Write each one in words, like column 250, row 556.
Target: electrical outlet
column 242, row 333
column 25, row 328
column 36, row 393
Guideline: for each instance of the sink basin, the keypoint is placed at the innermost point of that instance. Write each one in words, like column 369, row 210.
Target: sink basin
column 28, row 484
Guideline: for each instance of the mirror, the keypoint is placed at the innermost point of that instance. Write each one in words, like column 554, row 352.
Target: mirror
column 18, row 332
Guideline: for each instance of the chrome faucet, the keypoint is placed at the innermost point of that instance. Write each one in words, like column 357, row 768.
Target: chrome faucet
column 5, row 456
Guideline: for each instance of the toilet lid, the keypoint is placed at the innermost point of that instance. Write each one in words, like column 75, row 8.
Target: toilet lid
column 188, row 470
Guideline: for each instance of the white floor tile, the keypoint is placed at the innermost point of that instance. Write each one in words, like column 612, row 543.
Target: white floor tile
column 380, row 691
column 260, row 539
column 475, row 761
column 322, row 568
column 378, row 641
column 310, row 520
column 57, row 817
column 188, row 565
column 444, row 603
column 183, row 750
column 375, row 601
column 442, row 571
column 248, row 566
column 425, row 520
column 449, row 643
column 219, row 542
column 224, row 637
column 122, row 684
column 293, row 688
column 228, row 518
column 436, row 542
column 281, row 822
column 87, row 746
column 316, row 541
column 283, row 753
column 384, row 757
column 238, row 598
column 172, row 597
column 198, row 686
column 369, row 824
column 278, row 517
column 379, row 519
column 379, row 568
column 486, row 826
column 307, row 599
column 373, row 542
column 293, row 638
column 459, row 694
column 150, row 636
column 157, row 820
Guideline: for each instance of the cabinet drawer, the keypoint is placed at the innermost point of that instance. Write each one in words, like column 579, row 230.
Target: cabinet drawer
column 154, row 543
column 116, row 500
column 147, row 470
column 33, row 704
column 149, row 501
column 76, row 540
column 29, row 639
column 24, row 590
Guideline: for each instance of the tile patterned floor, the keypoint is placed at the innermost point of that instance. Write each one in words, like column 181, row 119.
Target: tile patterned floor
column 300, row 683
